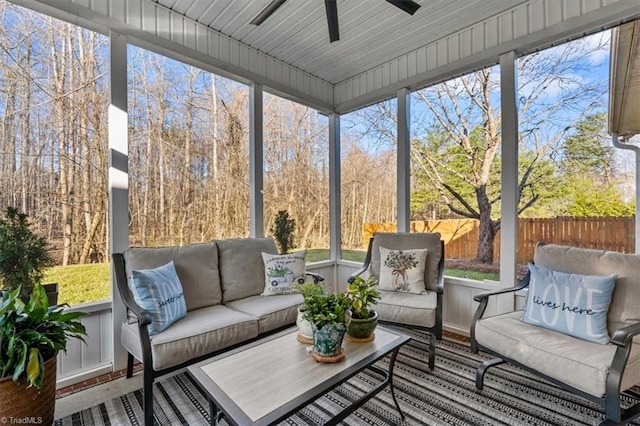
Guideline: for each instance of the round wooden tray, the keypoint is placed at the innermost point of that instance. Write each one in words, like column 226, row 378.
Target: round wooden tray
column 303, row 339
column 360, row 340
column 336, row 358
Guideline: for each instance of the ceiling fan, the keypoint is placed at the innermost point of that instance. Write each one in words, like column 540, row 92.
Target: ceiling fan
column 331, row 7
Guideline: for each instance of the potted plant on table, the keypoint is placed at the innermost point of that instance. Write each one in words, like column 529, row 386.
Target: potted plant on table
column 307, row 290
column 24, row 256
column 329, row 314
column 363, row 294
column 31, row 334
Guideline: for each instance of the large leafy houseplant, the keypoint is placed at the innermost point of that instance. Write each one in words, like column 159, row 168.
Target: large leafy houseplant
column 24, row 256
column 322, row 308
column 363, row 294
column 329, row 314
column 33, row 332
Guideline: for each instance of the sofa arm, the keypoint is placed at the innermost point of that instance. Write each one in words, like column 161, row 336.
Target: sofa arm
column 483, row 298
column 624, row 335
column 316, row 277
column 359, row 272
column 622, row 338
column 365, row 266
column 143, row 316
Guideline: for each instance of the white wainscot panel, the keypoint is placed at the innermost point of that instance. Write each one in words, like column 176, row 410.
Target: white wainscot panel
column 91, row 358
column 459, row 306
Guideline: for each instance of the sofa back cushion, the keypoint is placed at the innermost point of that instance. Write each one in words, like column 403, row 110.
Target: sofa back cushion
column 196, row 265
column 624, row 308
column 409, row 241
column 241, row 266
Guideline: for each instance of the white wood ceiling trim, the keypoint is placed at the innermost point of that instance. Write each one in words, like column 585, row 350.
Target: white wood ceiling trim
column 524, row 28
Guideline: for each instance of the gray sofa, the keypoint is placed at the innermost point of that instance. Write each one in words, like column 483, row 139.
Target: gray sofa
column 222, row 283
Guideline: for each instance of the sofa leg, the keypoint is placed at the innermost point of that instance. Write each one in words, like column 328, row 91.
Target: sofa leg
column 129, row 365
column 148, row 396
column 432, row 351
column 483, row 369
column 612, row 409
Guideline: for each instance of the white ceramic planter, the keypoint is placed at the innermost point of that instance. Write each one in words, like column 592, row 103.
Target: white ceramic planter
column 304, row 326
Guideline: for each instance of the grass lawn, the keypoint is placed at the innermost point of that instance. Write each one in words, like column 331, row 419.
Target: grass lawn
column 89, row 283
column 80, row 283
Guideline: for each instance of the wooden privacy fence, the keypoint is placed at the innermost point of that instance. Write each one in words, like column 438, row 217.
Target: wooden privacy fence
column 461, row 235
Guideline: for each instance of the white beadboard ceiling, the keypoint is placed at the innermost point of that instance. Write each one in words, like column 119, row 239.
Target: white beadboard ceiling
column 372, row 32
column 381, row 48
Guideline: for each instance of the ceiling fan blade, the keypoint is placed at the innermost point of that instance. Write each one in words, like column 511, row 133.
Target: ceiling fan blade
column 331, row 7
column 267, row 11
column 408, row 6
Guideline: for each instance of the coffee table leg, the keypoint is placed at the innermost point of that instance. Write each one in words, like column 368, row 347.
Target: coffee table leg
column 392, row 362
column 215, row 413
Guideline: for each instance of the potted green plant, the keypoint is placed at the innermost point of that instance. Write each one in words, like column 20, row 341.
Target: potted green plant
column 329, row 314
column 307, row 290
column 363, row 294
column 24, row 256
column 31, row 335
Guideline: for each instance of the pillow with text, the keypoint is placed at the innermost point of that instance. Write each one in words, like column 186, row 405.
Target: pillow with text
column 573, row 304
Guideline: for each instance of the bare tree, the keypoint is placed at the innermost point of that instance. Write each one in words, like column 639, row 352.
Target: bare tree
column 461, row 163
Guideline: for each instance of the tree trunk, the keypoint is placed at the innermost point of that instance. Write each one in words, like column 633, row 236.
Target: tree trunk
column 486, row 231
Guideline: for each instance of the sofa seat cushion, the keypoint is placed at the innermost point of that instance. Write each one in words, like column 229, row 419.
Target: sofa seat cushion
column 407, row 308
column 201, row 332
column 576, row 362
column 272, row 312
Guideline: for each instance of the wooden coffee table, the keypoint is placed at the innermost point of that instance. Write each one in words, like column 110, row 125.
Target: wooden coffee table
column 266, row 381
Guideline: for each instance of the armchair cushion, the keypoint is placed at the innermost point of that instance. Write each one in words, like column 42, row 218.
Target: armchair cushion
column 409, row 241
column 574, row 304
column 282, row 271
column 577, row 362
column 402, row 270
column 159, row 292
column 408, row 308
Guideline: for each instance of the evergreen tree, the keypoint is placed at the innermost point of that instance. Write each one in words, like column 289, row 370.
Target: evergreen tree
column 282, row 229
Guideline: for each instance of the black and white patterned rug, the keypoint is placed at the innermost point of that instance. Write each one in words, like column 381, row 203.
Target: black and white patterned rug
column 445, row 396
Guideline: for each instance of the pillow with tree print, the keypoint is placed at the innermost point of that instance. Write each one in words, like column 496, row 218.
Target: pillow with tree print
column 402, row 270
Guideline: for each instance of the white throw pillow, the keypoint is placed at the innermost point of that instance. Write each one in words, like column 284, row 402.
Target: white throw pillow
column 282, row 271
column 402, row 270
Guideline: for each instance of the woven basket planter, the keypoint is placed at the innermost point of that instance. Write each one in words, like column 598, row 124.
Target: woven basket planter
column 30, row 405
